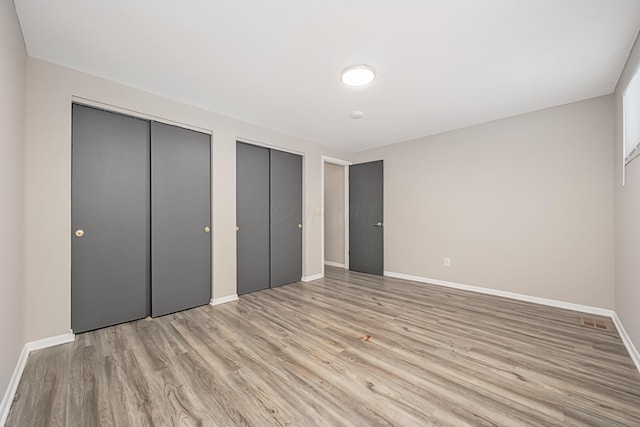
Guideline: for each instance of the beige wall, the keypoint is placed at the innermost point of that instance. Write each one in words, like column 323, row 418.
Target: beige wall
column 627, row 288
column 523, row 204
column 334, row 213
column 50, row 89
column 13, row 59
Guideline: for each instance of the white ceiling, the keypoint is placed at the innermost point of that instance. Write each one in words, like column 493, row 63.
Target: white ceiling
column 442, row 64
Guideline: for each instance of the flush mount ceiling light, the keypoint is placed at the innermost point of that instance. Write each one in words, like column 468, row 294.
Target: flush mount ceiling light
column 358, row 75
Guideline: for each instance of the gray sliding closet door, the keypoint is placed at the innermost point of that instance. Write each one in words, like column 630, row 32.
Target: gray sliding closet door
column 366, row 222
column 109, row 219
column 286, row 218
column 252, row 217
column 181, row 217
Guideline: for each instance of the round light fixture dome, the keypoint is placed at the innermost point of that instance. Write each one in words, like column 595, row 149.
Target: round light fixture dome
column 358, row 75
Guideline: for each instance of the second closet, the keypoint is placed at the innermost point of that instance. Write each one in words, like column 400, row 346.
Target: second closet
column 269, row 217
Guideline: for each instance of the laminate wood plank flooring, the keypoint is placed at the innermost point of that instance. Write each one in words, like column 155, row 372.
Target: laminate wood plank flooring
column 350, row 349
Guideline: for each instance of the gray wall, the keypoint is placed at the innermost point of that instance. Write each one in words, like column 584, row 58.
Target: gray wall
column 334, row 213
column 50, row 90
column 627, row 289
column 523, row 204
column 13, row 59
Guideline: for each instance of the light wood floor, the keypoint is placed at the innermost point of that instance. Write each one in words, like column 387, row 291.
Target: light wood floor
column 349, row 349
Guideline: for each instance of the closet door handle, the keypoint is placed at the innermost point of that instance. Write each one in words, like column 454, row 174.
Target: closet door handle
column 207, row 229
column 79, row 233
column 377, row 224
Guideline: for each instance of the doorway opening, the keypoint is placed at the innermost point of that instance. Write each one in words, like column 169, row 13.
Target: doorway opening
column 335, row 212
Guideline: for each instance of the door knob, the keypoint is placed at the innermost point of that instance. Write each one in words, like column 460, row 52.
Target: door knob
column 377, row 224
column 299, row 225
column 79, row 233
column 207, row 229
column 237, row 228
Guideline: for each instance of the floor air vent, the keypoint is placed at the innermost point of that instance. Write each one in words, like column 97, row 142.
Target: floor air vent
column 593, row 322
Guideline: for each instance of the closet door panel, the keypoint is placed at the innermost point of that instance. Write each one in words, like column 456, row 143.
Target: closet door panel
column 110, row 219
column 286, row 218
column 252, row 217
column 180, row 219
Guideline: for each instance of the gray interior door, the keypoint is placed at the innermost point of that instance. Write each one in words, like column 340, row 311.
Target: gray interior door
column 366, row 222
column 180, row 219
column 252, row 217
column 109, row 218
column 286, row 218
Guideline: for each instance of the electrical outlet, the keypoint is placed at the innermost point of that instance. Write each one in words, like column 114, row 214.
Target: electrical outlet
column 447, row 262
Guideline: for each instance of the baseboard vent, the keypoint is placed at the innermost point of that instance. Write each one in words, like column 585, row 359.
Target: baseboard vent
column 594, row 322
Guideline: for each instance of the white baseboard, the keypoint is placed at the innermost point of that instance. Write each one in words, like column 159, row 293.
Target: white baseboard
column 334, row 264
column 5, row 404
column 50, row 342
column 631, row 349
column 521, row 297
column 223, row 300
column 312, row 278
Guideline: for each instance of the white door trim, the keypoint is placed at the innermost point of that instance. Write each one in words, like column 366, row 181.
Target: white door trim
column 345, row 164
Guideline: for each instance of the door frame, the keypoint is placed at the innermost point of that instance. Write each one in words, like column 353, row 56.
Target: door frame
column 345, row 165
column 139, row 115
